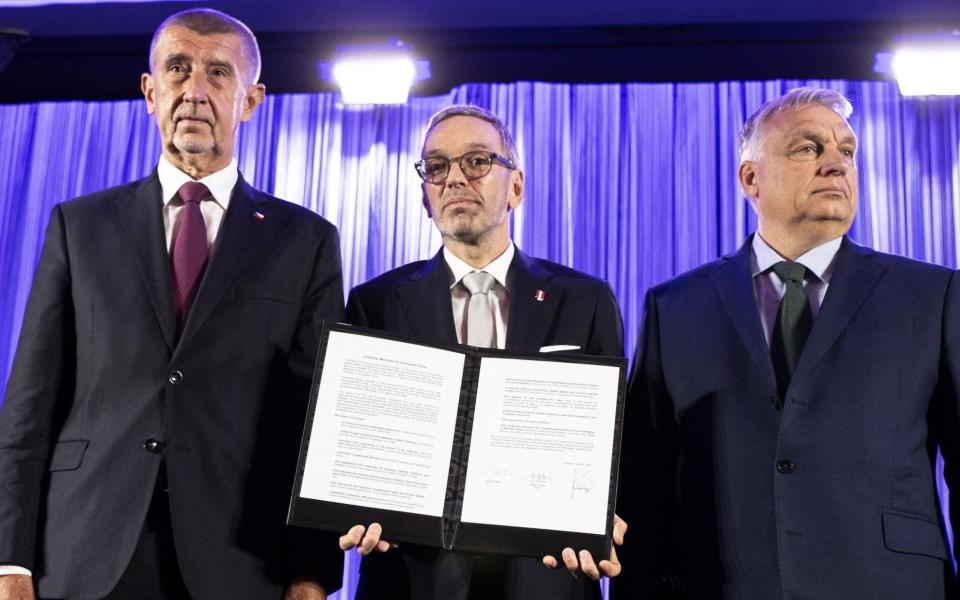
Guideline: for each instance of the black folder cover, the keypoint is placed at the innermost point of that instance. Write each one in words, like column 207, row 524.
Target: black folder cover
column 449, row 532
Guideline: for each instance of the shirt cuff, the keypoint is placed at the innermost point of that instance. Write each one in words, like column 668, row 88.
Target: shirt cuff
column 14, row 570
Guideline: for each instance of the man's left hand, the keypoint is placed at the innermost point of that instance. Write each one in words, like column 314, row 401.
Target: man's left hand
column 584, row 562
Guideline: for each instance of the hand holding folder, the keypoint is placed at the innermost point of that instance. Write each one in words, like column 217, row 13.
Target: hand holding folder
column 367, row 540
column 582, row 562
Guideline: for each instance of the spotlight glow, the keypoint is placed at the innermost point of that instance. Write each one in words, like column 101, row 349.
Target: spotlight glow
column 928, row 70
column 372, row 79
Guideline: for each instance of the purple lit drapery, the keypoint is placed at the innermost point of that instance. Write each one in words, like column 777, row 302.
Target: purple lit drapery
column 631, row 182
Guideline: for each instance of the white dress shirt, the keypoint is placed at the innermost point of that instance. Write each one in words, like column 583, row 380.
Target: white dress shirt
column 499, row 295
column 221, row 186
column 769, row 289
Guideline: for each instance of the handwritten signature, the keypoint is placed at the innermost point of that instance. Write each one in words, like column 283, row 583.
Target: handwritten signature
column 497, row 471
column 537, row 479
column 582, row 482
column 494, row 473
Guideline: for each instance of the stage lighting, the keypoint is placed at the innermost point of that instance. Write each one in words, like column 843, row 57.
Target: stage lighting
column 924, row 66
column 375, row 74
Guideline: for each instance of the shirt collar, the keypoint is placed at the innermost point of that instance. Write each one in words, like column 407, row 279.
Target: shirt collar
column 498, row 267
column 220, row 184
column 818, row 260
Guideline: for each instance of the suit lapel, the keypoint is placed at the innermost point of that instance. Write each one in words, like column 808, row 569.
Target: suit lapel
column 140, row 216
column 531, row 313
column 854, row 277
column 242, row 239
column 425, row 300
column 733, row 281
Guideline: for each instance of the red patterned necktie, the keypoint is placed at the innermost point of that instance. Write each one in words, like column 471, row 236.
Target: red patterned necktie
column 189, row 250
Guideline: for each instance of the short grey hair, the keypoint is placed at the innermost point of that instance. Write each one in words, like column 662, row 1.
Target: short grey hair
column 469, row 110
column 796, row 98
column 207, row 21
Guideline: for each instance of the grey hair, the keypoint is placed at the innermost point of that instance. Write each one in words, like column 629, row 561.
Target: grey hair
column 469, row 110
column 749, row 143
column 207, row 21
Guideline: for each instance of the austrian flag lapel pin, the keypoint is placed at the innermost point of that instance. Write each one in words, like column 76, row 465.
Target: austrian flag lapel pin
column 540, row 296
column 258, row 216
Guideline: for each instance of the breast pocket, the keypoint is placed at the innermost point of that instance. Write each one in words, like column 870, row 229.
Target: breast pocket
column 264, row 292
column 562, row 349
column 898, row 329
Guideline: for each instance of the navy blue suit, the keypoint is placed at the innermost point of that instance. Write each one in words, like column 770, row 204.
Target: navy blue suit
column 576, row 310
column 99, row 371
column 831, row 496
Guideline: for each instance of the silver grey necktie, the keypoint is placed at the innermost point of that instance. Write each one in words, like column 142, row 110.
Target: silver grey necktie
column 480, row 328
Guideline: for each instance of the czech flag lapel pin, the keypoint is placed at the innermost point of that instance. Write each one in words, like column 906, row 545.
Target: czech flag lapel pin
column 540, row 296
column 258, row 216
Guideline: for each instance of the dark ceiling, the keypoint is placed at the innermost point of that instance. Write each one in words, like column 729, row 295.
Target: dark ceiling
column 98, row 51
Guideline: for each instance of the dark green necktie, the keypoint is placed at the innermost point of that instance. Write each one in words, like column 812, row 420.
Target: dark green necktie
column 794, row 321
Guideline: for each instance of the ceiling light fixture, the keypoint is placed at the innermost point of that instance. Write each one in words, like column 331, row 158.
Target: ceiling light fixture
column 375, row 74
column 924, row 65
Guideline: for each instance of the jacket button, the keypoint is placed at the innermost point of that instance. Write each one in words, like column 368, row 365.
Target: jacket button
column 786, row 466
column 175, row 377
column 153, row 446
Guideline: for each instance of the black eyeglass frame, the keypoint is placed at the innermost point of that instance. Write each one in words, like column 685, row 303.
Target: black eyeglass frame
column 493, row 157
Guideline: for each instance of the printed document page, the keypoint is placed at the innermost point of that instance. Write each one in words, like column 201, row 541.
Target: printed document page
column 542, row 445
column 384, row 424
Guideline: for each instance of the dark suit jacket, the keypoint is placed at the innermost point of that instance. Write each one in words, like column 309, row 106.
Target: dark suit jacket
column 99, row 371
column 576, row 310
column 832, row 496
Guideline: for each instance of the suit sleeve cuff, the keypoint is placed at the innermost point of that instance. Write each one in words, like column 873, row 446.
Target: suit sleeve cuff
column 14, row 570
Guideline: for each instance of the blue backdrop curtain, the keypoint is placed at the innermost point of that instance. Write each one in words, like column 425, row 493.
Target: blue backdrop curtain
column 633, row 183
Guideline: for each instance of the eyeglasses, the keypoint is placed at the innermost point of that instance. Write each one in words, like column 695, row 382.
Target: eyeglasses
column 473, row 164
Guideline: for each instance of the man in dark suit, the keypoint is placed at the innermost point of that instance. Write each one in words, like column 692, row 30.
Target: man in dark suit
column 148, row 435
column 471, row 184
column 787, row 402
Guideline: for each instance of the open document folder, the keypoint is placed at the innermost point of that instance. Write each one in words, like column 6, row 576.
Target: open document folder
column 461, row 447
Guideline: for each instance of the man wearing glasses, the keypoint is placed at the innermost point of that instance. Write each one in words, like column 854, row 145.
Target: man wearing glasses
column 483, row 291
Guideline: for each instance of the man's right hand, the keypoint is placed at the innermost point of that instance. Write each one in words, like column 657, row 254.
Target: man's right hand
column 364, row 539
column 16, row 587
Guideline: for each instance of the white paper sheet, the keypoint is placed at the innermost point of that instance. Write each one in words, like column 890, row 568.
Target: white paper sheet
column 541, row 447
column 383, row 426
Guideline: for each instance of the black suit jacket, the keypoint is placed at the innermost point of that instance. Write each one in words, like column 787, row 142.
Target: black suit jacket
column 576, row 310
column 831, row 496
column 99, row 371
